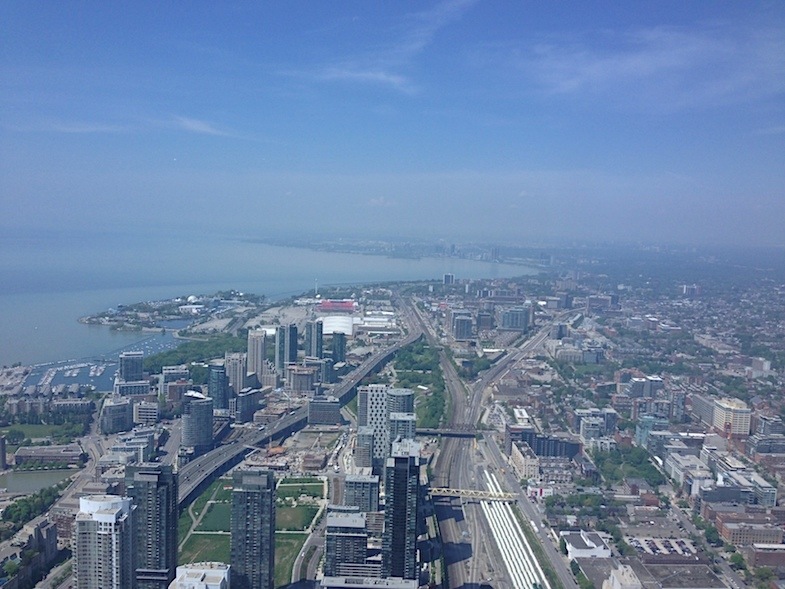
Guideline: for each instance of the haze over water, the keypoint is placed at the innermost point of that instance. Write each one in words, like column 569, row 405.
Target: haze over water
column 51, row 281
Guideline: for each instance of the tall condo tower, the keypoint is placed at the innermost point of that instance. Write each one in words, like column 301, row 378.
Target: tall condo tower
column 253, row 530
column 345, row 543
column 236, row 364
column 280, row 349
column 291, row 343
column 197, row 431
column 314, row 339
column 218, row 386
column 372, row 412
column 339, row 347
column 153, row 489
column 103, row 543
column 257, row 351
column 400, row 401
column 401, row 483
column 131, row 366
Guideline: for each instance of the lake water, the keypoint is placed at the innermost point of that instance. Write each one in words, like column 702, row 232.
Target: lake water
column 48, row 281
column 32, row 480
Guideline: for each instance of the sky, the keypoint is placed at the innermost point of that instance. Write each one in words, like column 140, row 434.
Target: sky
column 505, row 121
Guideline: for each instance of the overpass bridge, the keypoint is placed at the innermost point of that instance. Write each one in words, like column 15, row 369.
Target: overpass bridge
column 459, row 430
column 473, row 494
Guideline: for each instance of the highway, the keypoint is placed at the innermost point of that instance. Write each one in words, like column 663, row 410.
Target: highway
column 197, row 471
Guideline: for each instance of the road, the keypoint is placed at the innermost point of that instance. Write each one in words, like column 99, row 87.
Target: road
column 459, row 465
column 203, row 467
column 530, row 512
column 731, row 576
column 199, row 469
column 313, row 549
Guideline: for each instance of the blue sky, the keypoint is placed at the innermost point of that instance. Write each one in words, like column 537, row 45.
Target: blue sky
column 502, row 121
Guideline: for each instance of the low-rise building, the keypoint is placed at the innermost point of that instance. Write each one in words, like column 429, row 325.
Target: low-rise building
column 678, row 466
column 202, row 575
column 585, row 544
column 524, row 461
column 622, row 578
column 766, row 555
column 367, row 583
column 324, row 411
column 34, row 548
column 146, row 412
column 744, row 534
column 116, row 415
column 62, row 455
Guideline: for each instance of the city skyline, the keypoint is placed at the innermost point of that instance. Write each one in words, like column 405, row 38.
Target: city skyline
column 664, row 122
column 526, row 423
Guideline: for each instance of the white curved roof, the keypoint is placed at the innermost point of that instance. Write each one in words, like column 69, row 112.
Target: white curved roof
column 337, row 323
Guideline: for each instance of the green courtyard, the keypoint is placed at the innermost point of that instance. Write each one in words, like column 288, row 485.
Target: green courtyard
column 204, row 526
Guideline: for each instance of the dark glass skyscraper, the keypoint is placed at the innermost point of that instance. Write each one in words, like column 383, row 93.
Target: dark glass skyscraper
column 253, row 530
column 280, row 349
column 401, row 484
column 314, row 339
column 291, row 343
column 153, row 489
column 339, row 347
column 131, row 366
column 218, row 386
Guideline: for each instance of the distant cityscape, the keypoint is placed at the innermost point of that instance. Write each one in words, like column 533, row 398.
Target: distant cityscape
column 614, row 421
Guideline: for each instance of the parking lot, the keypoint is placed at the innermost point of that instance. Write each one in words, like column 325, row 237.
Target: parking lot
column 652, row 545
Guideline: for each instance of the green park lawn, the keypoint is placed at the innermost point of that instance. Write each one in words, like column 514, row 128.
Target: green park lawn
column 315, row 490
column 205, row 547
column 224, row 492
column 300, row 480
column 216, row 519
column 294, row 518
column 287, row 547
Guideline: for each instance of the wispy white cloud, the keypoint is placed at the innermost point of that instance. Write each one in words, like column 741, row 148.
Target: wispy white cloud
column 385, row 65
column 668, row 68
column 200, row 127
column 379, row 77
column 181, row 123
column 421, row 28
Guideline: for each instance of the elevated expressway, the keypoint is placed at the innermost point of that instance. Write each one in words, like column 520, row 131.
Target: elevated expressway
column 198, row 473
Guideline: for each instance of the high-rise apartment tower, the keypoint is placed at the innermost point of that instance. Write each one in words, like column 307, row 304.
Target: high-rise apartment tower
column 131, row 366
column 257, row 351
column 401, row 484
column 103, row 543
column 153, row 489
column 253, row 530
column 314, row 339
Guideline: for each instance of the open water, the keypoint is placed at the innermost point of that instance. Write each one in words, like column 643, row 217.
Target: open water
column 48, row 281
column 30, row 481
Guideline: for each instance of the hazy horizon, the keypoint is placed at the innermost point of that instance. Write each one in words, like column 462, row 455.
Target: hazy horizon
column 464, row 120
